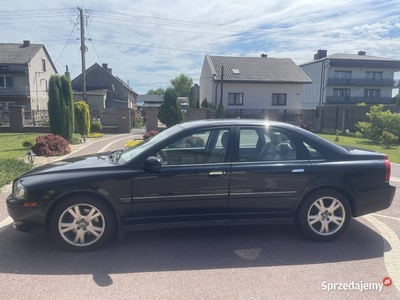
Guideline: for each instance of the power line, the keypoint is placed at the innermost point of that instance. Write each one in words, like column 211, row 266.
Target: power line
column 91, row 40
column 65, row 44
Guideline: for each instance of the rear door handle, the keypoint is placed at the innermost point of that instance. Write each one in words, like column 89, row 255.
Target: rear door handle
column 216, row 173
column 298, row 171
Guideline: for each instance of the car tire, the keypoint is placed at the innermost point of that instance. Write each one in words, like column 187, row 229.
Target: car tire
column 82, row 223
column 324, row 215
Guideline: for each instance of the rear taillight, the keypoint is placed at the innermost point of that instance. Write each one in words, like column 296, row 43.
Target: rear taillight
column 387, row 168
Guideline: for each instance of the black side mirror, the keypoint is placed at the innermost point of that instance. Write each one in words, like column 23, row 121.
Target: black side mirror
column 152, row 164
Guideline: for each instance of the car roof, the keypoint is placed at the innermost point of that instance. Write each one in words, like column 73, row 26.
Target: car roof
column 213, row 122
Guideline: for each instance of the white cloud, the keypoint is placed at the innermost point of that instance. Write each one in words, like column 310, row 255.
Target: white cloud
column 150, row 42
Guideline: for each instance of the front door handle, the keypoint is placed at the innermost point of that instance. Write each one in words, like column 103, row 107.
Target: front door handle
column 298, row 171
column 216, row 173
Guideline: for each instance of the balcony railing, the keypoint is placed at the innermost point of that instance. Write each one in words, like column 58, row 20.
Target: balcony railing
column 355, row 100
column 360, row 81
column 15, row 91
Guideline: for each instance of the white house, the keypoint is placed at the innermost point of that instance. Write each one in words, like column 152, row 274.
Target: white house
column 252, row 83
column 25, row 71
column 348, row 79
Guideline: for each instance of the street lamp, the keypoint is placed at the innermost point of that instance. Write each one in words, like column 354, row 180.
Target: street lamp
column 31, row 156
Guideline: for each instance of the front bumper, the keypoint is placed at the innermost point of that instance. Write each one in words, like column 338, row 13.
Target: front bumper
column 26, row 219
column 372, row 199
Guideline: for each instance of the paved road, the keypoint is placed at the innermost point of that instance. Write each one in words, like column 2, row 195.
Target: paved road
column 256, row 262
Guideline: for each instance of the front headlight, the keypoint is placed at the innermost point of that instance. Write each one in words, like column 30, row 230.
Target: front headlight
column 19, row 191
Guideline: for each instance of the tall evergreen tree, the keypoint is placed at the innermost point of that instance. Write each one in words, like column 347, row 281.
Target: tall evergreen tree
column 61, row 107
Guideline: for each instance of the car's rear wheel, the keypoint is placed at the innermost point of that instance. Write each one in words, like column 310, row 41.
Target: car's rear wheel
column 82, row 224
column 324, row 215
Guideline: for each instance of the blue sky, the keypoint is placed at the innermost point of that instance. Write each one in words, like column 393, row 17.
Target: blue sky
column 150, row 42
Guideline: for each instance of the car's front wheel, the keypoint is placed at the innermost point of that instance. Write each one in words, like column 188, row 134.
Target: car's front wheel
column 82, row 224
column 324, row 215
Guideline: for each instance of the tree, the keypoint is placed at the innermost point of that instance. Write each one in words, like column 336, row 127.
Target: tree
column 379, row 122
column 204, row 104
column 82, row 117
column 159, row 91
column 220, row 112
column 182, row 85
column 60, row 106
column 170, row 112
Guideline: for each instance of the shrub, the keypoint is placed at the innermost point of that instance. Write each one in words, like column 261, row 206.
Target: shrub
column 379, row 121
column 28, row 143
column 352, row 134
column 132, row 143
column 150, row 134
column 75, row 140
column 389, row 139
column 359, row 134
column 361, row 104
column 82, row 117
column 307, row 125
column 95, row 135
column 204, row 104
column 193, row 141
column 51, row 145
column 170, row 112
column 96, row 127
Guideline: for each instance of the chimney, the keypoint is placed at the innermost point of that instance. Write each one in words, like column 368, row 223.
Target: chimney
column 320, row 54
column 105, row 66
column 26, row 43
column 67, row 73
column 264, row 55
column 109, row 70
column 361, row 52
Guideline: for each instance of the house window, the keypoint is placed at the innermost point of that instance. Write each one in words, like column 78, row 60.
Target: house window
column 6, row 82
column 373, row 75
column 372, row 93
column 341, row 92
column 342, row 75
column 235, row 98
column 279, row 99
column 43, row 65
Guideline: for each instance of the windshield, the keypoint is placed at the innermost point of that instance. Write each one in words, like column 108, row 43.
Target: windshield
column 130, row 153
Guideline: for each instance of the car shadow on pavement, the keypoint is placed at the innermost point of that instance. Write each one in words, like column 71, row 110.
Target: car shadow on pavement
column 186, row 249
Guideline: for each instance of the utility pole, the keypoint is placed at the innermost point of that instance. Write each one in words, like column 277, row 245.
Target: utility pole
column 222, row 82
column 83, row 51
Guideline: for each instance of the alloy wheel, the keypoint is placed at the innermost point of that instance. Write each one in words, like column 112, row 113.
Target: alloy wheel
column 81, row 225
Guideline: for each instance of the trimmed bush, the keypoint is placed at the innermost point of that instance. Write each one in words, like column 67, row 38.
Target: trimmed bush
column 149, row 134
column 28, row 143
column 82, row 117
column 75, row 140
column 96, row 127
column 95, row 135
column 132, row 143
column 51, row 145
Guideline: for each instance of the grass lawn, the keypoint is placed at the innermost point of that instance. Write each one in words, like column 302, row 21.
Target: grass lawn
column 393, row 152
column 11, row 151
column 11, row 144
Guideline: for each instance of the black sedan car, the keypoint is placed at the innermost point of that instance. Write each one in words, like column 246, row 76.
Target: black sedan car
column 224, row 172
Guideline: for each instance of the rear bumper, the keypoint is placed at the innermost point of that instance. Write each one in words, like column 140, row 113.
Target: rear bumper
column 372, row 199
